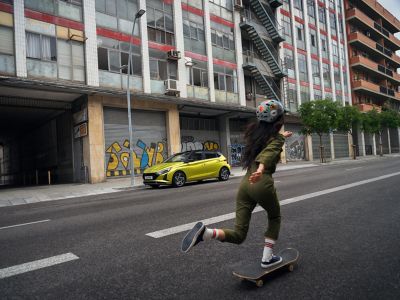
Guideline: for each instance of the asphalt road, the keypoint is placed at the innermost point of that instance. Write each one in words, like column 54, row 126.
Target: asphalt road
column 348, row 237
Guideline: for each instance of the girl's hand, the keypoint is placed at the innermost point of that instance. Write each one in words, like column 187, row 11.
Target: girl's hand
column 287, row 134
column 254, row 177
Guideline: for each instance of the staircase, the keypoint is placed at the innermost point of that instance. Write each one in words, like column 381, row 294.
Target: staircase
column 275, row 3
column 267, row 17
column 268, row 85
column 267, row 50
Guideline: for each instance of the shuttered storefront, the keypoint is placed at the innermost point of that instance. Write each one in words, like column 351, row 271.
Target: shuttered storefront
column 341, row 145
column 295, row 145
column 325, row 143
column 199, row 134
column 394, row 140
column 149, row 140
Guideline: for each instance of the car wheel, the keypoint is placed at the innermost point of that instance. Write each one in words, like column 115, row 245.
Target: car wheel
column 179, row 179
column 224, row 174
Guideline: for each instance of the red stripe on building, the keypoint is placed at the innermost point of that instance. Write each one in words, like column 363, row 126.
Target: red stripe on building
column 301, row 51
column 321, row 4
column 304, row 83
column 314, row 56
column 291, row 80
column 312, row 26
column 117, row 36
column 53, row 19
column 325, row 60
column 168, row 2
column 196, row 56
column 223, row 63
column 342, row 42
column 332, row 10
column 336, row 65
column 317, row 87
column 285, row 12
column 6, row 7
column 338, row 92
column 192, row 9
column 323, row 32
column 287, row 46
column 329, row 90
column 299, row 20
column 334, row 37
column 162, row 47
column 220, row 20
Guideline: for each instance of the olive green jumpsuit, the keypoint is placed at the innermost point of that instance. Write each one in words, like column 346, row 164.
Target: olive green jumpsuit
column 262, row 193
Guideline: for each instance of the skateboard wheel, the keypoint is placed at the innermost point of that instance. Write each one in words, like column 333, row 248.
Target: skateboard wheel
column 259, row 283
column 291, row 268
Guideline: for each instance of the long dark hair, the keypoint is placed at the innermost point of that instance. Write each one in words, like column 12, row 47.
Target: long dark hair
column 256, row 136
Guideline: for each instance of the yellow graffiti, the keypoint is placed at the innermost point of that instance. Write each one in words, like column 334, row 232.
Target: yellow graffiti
column 125, row 159
column 211, row 146
column 112, row 162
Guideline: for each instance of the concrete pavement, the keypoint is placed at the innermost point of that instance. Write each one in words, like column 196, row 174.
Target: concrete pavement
column 34, row 194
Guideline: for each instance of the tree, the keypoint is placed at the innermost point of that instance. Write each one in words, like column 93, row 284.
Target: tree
column 347, row 118
column 319, row 117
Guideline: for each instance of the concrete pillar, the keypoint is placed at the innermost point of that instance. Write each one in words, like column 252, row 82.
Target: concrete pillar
column 93, row 143
column 332, row 144
column 180, row 46
column 239, row 58
column 309, row 148
column 364, row 153
column 19, row 37
column 173, row 131
column 329, row 40
column 144, row 47
column 398, row 132
column 225, row 137
column 374, row 144
column 210, row 64
column 350, row 144
column 308, row 49
column 295, row 56
column 389, row 143
column 91, row 60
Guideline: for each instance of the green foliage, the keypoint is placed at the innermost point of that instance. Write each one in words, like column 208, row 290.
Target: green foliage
column 319, row 116
column 390, row 118
column 371, row 122
column 347, row 117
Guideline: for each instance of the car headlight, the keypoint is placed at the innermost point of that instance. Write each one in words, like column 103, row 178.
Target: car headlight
column 163, row 171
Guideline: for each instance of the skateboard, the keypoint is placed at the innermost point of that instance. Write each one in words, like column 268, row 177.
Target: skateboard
column 254, row 272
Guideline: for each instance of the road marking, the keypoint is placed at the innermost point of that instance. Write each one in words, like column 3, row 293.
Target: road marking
column 354, row 168
column 185, row 227
column 23, row 224
column 37, row 264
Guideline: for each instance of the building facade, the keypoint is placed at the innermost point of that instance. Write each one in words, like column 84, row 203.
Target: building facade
column 315, row 55
column 199, row 68
column 373, row 66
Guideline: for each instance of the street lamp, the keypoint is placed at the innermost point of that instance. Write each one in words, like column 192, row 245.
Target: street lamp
column 138, row 15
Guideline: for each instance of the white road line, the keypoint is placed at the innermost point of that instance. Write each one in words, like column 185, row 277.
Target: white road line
column 23, row 224
column 185, row 227
column 37, row 264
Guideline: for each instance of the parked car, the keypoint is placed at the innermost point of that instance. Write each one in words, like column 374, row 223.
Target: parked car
column 188, row 166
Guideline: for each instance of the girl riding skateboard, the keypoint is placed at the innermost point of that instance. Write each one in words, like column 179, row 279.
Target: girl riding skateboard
column 262, row 153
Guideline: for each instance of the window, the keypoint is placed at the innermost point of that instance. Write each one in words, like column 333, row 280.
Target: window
column 108, row 7
column 113, row 56
column 225, row 79
column 313, row 41
column 338, row 84
column 292, row 97
column 160, row 67
column 71, row 62
column 324, row 47
column 301, row 58
column 300, row 36
column 335, row 51
column 222, row 40
column 322, row 19
column 160, row 22
column 304, row 94
column 287, row 28
column 40, row 47
column 332, row 20
column 289, row 62
column 315, row 72
column 317, row 94
column 6, row 40
column 298, row 8
column 43, row 5
column 327, row 75
column 311, row 11
column 198, row 75
column 286, row 5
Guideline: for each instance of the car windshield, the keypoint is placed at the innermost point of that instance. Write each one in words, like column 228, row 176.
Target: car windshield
column 179, row 157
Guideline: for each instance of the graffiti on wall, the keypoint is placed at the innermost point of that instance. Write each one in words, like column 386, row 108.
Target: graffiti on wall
column 236, row 151
column 189, row 143
column 144, row 156
column 295, row 147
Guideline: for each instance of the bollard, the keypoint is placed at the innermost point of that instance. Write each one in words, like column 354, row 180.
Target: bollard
column 49, row 176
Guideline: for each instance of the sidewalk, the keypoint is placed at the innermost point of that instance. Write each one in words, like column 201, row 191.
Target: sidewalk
column 34, row 194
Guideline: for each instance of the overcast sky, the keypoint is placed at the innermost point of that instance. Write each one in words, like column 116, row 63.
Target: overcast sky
column 393, row 6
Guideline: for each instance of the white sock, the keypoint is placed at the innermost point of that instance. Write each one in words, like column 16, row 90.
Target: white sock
column 210, row 233
column 268, row 247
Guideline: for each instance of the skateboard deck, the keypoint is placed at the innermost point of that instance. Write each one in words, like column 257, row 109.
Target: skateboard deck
column 254, row 272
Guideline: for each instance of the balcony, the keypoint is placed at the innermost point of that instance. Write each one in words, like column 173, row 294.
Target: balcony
column 362, row 40
column 275, row 3
column 384, row 14
column 375, row 89
column 365, row 63
column 365, row 107
column 356, row 14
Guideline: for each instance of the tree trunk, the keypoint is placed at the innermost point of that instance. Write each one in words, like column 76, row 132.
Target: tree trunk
column 321, row 150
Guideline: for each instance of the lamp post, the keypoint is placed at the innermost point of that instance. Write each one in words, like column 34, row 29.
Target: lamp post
column 138, row 15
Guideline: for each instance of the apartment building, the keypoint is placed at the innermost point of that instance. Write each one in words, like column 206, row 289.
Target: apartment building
column 199, row 68
column 373, row 66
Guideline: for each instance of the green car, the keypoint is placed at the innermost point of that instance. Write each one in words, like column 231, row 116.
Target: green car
column 188, row 166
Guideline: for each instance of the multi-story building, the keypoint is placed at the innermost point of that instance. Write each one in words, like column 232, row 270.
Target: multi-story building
column 315, row 55
column 373, row 66
column 198, row 70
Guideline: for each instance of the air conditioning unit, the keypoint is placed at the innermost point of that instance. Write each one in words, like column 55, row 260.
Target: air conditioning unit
column 238, row 4
column 188, row 61
column 171, row 87
column 173, row 54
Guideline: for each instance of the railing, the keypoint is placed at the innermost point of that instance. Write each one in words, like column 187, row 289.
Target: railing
column 385, row 70
column 384, row 50
column 250, row 16
column 381, row 29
